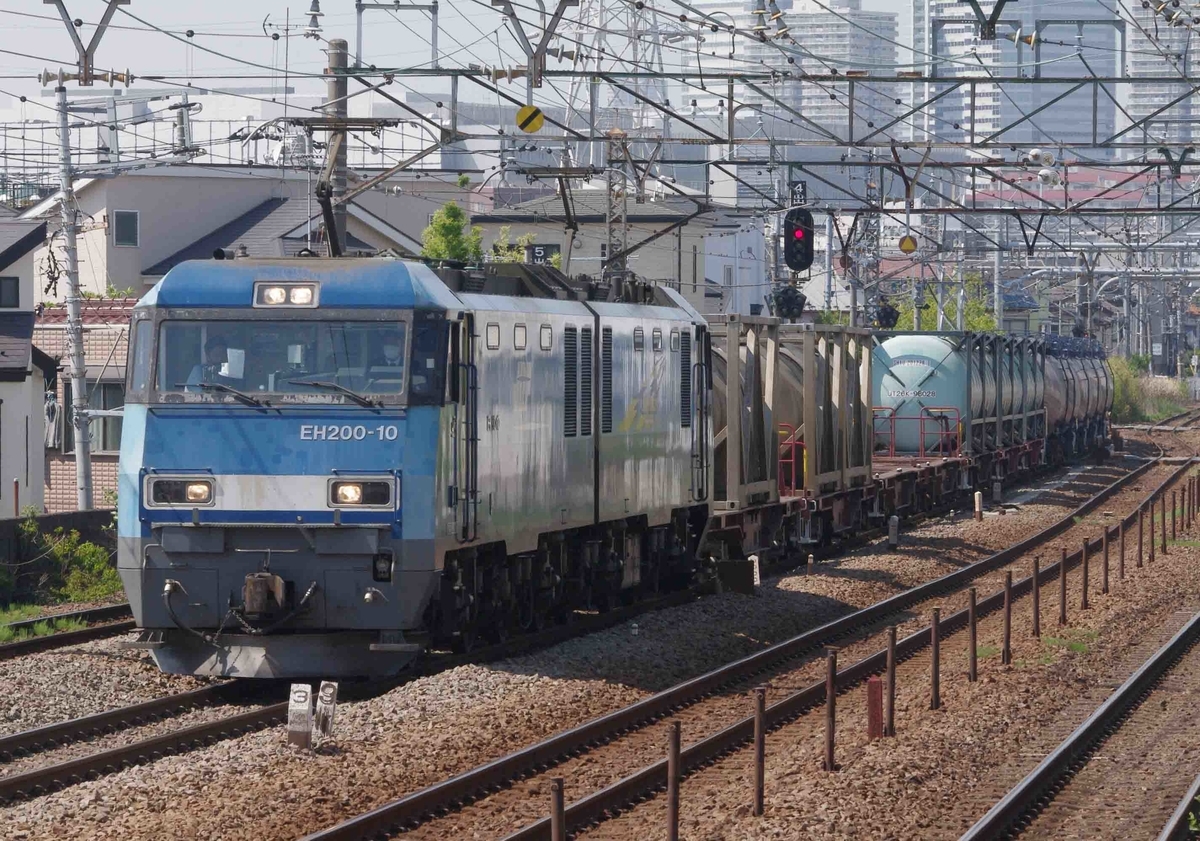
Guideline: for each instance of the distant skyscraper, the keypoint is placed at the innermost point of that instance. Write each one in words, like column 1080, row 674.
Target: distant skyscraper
column 1156, row 49
column 1082, row 43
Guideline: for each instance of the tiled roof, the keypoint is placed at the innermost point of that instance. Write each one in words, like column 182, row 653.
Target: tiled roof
column 18, row 238
column 589, row 206
column 93, row 311
column 260, row 229
column 16, row 335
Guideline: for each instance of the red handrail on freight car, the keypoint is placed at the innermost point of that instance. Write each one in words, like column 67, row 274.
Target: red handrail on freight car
column 947, row 434
column 787, row 458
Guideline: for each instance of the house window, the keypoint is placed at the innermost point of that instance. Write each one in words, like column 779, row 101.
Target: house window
column 10, row 292
column 519, row 336
column 493, row 337
column 547, row 337
column 656, row 340
column 674, row 341
column 603, row 251
column 639, row 338
column 727, row 273
column 105, row 432
column 125, row 228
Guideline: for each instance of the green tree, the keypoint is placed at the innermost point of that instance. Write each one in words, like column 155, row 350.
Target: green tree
column 448, row 236
column 463, row 180
column 504, row 250
column 979, row 317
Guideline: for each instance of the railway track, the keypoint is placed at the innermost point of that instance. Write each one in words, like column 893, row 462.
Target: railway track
column 56, row 775
column 105, row 627
column 625, row 725
column 1108, row 779
column 1178, row 825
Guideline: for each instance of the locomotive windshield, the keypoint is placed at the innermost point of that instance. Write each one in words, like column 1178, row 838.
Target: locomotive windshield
column 319, row 359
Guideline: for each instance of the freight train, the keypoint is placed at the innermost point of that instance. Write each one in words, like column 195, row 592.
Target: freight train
column 328, row 466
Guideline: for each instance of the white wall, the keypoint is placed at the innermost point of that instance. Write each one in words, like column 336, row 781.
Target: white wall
column 22, row 455
column 674, row 257
column 736, row 261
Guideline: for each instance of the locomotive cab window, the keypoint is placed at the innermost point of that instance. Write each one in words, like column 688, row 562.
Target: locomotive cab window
column 302, row 360
column 639, row 338
column 656, row 340
column 493, row 337
column 547, row 336
column 519, row 336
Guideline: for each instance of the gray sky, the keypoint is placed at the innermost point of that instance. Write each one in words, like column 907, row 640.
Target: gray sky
column 468, row 32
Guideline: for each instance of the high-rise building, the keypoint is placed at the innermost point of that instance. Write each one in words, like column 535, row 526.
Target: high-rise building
column 1156, row 49
column 1071, row 39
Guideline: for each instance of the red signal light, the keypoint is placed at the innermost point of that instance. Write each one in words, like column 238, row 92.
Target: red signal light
column 799, row 234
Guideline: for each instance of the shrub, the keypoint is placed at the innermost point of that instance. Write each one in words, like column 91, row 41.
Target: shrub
column 1141, row 397
column 57, row 566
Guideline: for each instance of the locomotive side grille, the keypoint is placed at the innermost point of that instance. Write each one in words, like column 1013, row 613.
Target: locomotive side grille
column 570, row 382
column 685, row 381
column 606, row 347
column 585, row 381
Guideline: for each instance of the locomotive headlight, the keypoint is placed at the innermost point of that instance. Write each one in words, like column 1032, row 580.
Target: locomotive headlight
column 348, row 493
column 199, row 492
column 370, row 494
column 181, row 492
column 301, row 296
column 275, row 295
column 285, row 294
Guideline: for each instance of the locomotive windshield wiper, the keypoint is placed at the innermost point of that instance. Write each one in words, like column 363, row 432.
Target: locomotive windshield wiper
column 248, row 399
column 353, row 395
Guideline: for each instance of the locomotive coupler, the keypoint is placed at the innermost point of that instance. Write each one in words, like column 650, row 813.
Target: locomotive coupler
column 258, row 592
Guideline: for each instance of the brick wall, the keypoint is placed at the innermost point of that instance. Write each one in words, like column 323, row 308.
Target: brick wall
column 60, row 481
column 105, row 339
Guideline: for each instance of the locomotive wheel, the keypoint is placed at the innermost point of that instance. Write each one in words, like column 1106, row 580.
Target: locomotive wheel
column 464, row 640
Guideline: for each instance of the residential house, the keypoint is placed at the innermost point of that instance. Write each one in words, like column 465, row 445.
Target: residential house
column 105, row 335
column 24, row 371
column 135, row 225
column 676, row 258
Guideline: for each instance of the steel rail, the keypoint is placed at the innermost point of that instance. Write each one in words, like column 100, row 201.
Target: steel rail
column 89, row 614
column 46, row 642
column 467, row 786
column 1023, row 800
column 1176, row 828
column 596, row 807
column 45, row 779
column 60, row 733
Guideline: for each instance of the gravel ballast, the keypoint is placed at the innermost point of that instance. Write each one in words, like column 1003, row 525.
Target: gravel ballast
column 443, row 724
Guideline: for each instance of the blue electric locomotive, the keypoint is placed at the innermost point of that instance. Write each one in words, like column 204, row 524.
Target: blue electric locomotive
column 326, row 465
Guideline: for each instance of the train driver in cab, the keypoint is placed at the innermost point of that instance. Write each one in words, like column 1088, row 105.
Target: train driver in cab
column 216, row 354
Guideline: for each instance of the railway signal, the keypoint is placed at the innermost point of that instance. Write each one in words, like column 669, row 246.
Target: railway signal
column 798, row 239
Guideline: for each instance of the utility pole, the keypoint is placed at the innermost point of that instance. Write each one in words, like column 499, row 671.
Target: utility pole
column 828, row 261
column 1128, row 325
column 997, row 289
column 79, row 398
column 336, row 89
column 86, row 57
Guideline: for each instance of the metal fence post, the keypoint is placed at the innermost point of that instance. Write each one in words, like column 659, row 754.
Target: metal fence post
column 1083, row 603
column 1141, row 522
column 1037, row 598
column 1163, row 530
column 558, row 819
column 889, row 708
column 1104, row 566
column 830, row 706
column 1174, row 508
column 1006, row 651
column 935, row 687
column 874, row 708
column 1062, row 588
column 972, row 645
column 673, row 750
column 760, row 746
column 1121, row 550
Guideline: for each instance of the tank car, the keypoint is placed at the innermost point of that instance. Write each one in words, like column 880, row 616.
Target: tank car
column 327, row 466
